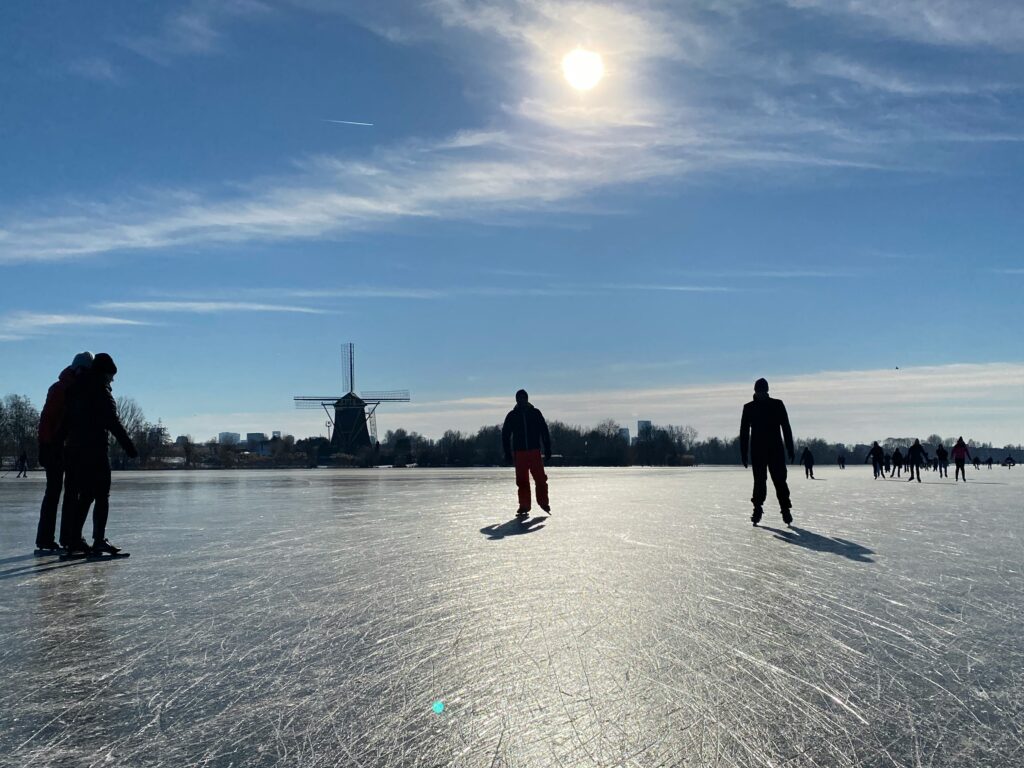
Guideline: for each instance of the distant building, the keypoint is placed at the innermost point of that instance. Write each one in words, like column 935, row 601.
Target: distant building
column 275, row 435
column 229, row 438
column 624, row 434
column 644, row 429
column 255, row 439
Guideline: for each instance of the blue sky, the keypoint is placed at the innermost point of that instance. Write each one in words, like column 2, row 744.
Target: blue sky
column 816, row 192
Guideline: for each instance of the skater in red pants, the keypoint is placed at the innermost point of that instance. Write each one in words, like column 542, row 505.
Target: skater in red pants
column 522, row 436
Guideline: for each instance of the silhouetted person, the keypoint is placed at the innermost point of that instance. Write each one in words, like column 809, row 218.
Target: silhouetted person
column 22, row 465
column 897, row 463
column 977, row 462
column 960, row 455
column 915, row 457
column 1009, row 462
column 841, row 461
column 51, row 453
column 760, row 441
column 91, row 414
column 522, row 436
column 876, row 456
column 886, row 462
column 989, row 462
column 942, row 460
column 807, row 459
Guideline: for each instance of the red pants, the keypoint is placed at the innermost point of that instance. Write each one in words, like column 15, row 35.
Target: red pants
column 527, row 463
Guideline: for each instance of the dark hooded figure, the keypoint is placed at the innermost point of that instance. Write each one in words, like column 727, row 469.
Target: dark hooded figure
column 915, row 457
column 942, row 460
column 807, row 459
column 522, row 436
column 51, row 452
column 22, row 465
column 877, row 458
column 91, row 414
column 763, row 419
column 897, row 463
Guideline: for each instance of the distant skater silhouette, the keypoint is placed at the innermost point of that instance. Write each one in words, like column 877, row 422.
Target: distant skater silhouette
column 841, row 461
column 51, row 453
column 989, row 462
column 876, row 456
column 897, row 464
column 886, row 462
column 522, row 436
column 22, row 465
column 915, row 457
column 942, row 460
column 960, row 455
column 807, row 459
column 1009, row 462
column 91, row 414
column 761, row 443
column 977, row 462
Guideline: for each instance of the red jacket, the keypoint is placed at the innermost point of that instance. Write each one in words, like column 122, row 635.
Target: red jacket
column 52, row 418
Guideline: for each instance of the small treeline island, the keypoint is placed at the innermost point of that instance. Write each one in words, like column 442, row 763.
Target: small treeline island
column 600, row 446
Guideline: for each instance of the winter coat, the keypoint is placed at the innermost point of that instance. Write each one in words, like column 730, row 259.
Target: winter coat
column 762, row 419
column 525, row 430
column 92, row 413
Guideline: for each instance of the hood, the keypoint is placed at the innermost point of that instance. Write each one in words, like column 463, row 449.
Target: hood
column 68, row 375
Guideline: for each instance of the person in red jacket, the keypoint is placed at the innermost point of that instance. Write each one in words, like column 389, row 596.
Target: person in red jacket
column 522, row 435
column 91, row 415
column 51, row 452
column 960, row 454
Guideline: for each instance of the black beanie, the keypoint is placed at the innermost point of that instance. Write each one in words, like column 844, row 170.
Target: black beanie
column 522, row 397
column 104, row 363
column 761, row 385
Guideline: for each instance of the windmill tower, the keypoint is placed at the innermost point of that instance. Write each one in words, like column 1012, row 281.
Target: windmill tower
column 353, row 417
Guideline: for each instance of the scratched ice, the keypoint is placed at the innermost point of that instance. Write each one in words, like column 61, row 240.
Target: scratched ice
column 313, row 619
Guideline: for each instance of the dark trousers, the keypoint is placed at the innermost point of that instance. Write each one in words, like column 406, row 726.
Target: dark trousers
column 46, row 531
column 960, row 470
column 876, row 468
column 809, row 471
column 777, row 467
column 915, row 468
column 943, row 469
column 88, row 479
column 531, row 463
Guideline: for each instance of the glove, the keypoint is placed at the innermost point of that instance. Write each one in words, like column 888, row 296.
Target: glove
column 547, row 455
column 131, row 451
column 745, row 465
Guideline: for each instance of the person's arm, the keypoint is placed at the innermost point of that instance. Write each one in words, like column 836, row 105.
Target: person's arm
column 506, row 437
column 545, row 436
column 114, row 425
column 787, row 433
column 745, row 436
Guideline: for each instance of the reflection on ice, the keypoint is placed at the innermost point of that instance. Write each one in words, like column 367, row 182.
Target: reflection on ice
column 314, row 618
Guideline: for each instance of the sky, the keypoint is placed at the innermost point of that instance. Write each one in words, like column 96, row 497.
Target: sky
column 826, row 193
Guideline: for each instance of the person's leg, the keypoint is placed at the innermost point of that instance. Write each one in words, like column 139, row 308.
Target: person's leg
column 71, row 517
column 760, row 469
column 523, row 478
column 540, row 479
column 777, row 469
column 101, row 510
column 46, row 531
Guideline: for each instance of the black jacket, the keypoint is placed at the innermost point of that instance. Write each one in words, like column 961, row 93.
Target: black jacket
column 759, row 430
column 876, row 455
column 90, row 413
column 525, row 430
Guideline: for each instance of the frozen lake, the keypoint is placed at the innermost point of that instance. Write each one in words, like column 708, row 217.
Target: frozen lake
column 312, row 618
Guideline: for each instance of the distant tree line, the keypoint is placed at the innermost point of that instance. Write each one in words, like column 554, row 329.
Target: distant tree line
column 601, row 446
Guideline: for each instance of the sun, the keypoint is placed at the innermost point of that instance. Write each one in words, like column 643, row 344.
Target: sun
column 582, row 68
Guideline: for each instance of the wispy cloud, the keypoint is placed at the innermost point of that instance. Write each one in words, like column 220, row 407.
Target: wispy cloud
column 545, row 148
column 98, row 69
column 193, row 30
column 677, row 288
column 203, row 307
column 998, row 23
column 17, row 326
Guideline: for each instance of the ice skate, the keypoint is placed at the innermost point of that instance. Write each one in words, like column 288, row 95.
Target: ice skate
column 755, row 516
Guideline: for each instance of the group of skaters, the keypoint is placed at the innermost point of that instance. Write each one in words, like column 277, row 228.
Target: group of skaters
column 73, row 440
column 916, row 457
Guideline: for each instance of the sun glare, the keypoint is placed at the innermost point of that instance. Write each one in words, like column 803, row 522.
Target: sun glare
column 583, row 69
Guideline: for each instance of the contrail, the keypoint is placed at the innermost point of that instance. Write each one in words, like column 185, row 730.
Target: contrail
column 347, row 122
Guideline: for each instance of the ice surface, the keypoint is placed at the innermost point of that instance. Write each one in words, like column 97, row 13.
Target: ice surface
column 312, row 618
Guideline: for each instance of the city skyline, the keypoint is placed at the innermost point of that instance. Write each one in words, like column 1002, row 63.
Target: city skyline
column 630, row 209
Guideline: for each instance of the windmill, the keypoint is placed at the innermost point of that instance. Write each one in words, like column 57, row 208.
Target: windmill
column 355, row 416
